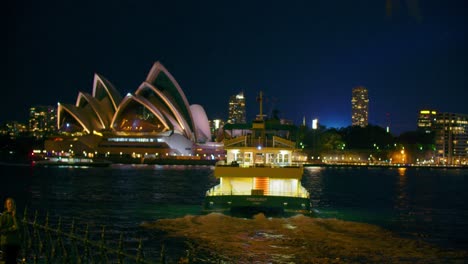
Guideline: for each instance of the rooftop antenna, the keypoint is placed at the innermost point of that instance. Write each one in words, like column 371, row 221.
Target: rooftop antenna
column 259, row 124
column 388, row 122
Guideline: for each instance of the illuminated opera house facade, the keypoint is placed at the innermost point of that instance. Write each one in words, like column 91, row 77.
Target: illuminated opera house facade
column 156, row 120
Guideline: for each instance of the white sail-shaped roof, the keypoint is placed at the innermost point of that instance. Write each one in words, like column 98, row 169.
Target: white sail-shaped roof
column 159, row 105
column 154, row 120
column 88, row 102
column 202, row 126
column 76, row 113
column 163, row 80
column 171, row 110
column 107, row 96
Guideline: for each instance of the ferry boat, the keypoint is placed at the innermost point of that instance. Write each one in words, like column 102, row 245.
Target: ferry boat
column 258, row 176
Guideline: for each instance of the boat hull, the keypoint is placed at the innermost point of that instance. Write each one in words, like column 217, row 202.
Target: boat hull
column 253, row 204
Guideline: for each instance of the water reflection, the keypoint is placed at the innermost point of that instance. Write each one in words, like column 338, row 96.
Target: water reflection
column 402, row 207
column 421, row 204
column 297, row 239
column 402, row 171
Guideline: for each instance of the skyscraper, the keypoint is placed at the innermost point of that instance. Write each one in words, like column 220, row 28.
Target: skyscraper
column 451, row 138
column 360, row 107
column 42, row 120
column 237, row 111
column 427, row 120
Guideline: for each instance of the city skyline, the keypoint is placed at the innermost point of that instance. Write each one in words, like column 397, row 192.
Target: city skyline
column 304, row 57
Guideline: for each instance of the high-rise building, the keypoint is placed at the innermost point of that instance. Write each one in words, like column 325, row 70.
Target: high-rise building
column 360, row 107
column 13, row 129
column 237, row 113
column 216, row 126
column 451, row 138
column 42, row 120
column 426, row 120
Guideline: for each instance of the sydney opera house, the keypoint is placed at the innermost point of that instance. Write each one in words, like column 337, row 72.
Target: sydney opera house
column 155, row 120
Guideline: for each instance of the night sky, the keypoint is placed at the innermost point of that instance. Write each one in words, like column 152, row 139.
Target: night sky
column 306, row 56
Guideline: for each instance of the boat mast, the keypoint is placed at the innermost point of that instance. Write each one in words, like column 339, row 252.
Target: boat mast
column 260, row 100
column 258, row 125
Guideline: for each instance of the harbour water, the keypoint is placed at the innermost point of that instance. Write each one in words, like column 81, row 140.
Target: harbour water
column 416, row 210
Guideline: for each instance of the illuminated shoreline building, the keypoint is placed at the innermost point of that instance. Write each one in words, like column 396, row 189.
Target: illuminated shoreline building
column 42, row 120
column 237, row 113
column 427, row 120
column 360, row 107
column 451, row 132
column 13, row 129
column 156, row 120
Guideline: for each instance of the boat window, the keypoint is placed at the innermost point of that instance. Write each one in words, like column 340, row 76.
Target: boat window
column 236, row 156
column 247, row 157
column 270, row 158
column 259, row 158
column 282, row 158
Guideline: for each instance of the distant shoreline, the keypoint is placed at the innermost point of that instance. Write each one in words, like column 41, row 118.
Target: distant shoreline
column 207, row 162
column 388, row 166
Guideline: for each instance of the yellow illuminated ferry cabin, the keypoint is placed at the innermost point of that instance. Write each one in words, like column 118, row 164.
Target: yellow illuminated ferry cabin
column 258, row 176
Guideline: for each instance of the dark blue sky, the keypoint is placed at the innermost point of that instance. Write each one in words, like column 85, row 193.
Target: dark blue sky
column 305, row 56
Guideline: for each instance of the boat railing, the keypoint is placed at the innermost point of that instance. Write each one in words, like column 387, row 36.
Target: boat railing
column 250, row 165
column 261, row 141
column 216, row 191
